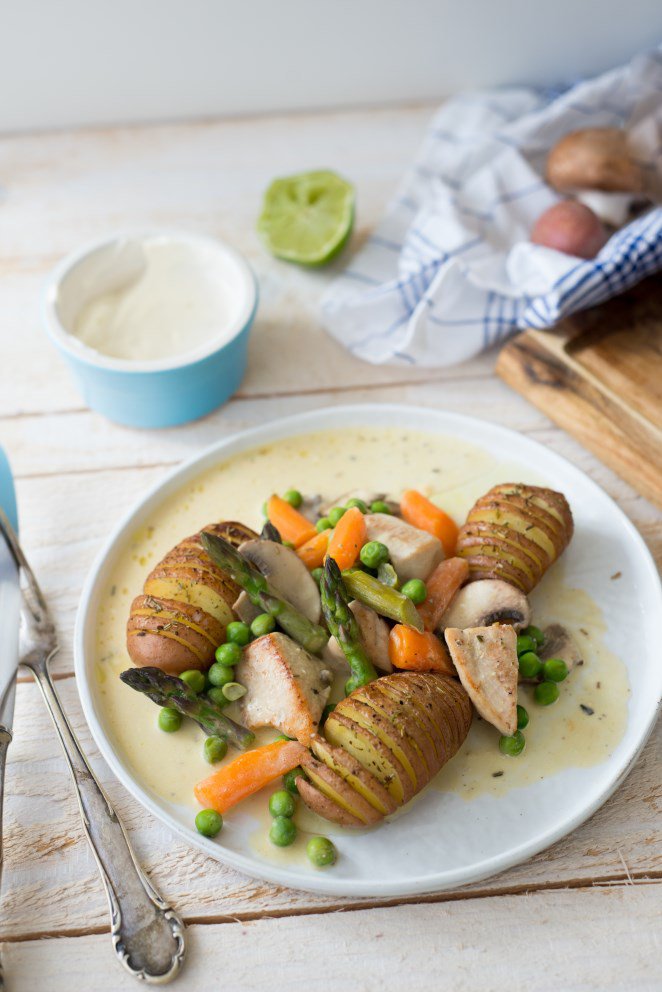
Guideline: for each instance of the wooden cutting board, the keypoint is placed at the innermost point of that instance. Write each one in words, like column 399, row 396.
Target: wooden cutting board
column 598, row 374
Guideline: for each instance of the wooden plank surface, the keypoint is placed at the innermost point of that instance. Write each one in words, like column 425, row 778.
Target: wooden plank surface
column 592, row 940
column 599, row 376
column 77, row 474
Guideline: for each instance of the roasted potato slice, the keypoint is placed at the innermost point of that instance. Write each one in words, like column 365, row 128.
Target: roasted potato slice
column 335, row 788
column 515, row 532
column 171, row 635
column 397, row 742
column 361, row 780
column 324, row 806
column 373, row 754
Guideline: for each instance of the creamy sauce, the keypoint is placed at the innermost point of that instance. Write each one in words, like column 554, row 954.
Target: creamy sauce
column 156, row 299
column 452, row 472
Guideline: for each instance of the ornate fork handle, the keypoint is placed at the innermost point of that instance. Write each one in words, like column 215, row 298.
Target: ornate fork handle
column 147, row 934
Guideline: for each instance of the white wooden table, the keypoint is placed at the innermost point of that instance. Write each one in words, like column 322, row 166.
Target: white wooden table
column 583, row 915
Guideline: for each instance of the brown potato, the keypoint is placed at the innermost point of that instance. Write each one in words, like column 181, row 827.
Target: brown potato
column 594, row 158
column 181, row 619
column 515, row 532
column 399, row 744
column 171, row 635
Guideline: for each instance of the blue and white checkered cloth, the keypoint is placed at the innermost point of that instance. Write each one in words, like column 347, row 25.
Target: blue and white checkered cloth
column 450, row 271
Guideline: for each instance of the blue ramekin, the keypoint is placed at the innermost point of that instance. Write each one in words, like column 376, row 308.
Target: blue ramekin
column 155, row 393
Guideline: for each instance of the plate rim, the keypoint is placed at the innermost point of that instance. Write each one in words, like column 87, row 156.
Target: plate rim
column 318, row 882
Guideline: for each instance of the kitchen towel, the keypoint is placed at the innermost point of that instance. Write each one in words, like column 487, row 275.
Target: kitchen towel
column 450, row 271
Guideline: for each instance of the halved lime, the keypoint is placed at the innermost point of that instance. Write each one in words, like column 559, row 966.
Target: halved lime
column 307, row 218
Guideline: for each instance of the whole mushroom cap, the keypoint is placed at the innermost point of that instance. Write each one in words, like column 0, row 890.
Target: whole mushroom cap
column 594, row 158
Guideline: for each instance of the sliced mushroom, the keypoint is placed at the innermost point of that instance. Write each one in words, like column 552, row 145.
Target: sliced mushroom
column 286, row 573
column 559, row 643
column 485, row 602
column 374, row 634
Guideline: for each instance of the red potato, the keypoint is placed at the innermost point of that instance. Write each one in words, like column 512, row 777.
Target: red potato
column 572, row 228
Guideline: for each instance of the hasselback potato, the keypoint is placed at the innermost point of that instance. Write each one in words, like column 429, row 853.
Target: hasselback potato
column 187, row 600
column 515, row 532
column 382, row 744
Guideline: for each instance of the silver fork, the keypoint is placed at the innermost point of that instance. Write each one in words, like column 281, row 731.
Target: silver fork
column 147, row 934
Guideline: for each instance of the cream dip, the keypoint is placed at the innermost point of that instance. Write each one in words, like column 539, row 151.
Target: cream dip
column 157, row 298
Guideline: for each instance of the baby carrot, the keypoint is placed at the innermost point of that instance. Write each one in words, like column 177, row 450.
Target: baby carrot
column 348, row 537
column 415, row 652
column 312, row 552
column 248, row 773
column 441, row 586
column 290, row 524
column 420, row 512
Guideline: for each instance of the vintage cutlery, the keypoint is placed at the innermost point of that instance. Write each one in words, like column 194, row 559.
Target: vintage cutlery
column 147, row 934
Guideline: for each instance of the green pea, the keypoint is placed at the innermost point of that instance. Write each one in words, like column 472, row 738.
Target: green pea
column 289, row 780
column 530, row 665
column 234, row 691
column 536, row 633
column 373, row 554
column 208, row 822
column 227, row 654
column 238, row 633
column 321, row 852
column 195, row 679
column 522, row 718
column 323, row 524
column 169, row 719
column 388, row 575
column 379, row 506
column 555, row 670
column 216, row 696
column 220, row 675
column 512, row 746
column 415, row 590
column 263, row 624
column 215, row 749
column 283, row 832
column 317, row 574
column 282, row 803
column 526, row 643
column 363, row 507
column 294, row 498
column 335, row 514
column 546, row 693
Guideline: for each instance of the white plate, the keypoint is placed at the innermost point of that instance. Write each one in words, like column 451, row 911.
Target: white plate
column 444, row 840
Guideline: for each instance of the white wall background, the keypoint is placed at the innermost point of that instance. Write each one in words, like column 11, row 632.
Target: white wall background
column 67, row 62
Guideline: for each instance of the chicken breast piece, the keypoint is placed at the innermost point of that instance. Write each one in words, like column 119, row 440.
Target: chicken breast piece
column 287, row 688
column 414, row 553
column 374, row 634
column 486, row 661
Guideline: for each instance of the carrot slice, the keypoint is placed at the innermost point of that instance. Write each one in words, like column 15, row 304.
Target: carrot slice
column 312, row 552
column 248, row 773
column 290, row 524
column 415, row 652
column 420, row 512
column 348, row 537
column 441, row 586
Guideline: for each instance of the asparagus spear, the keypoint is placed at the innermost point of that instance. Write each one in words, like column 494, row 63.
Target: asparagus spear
column 311, row 636
column 342, row 623
column 383, row 599
column 167, row 690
